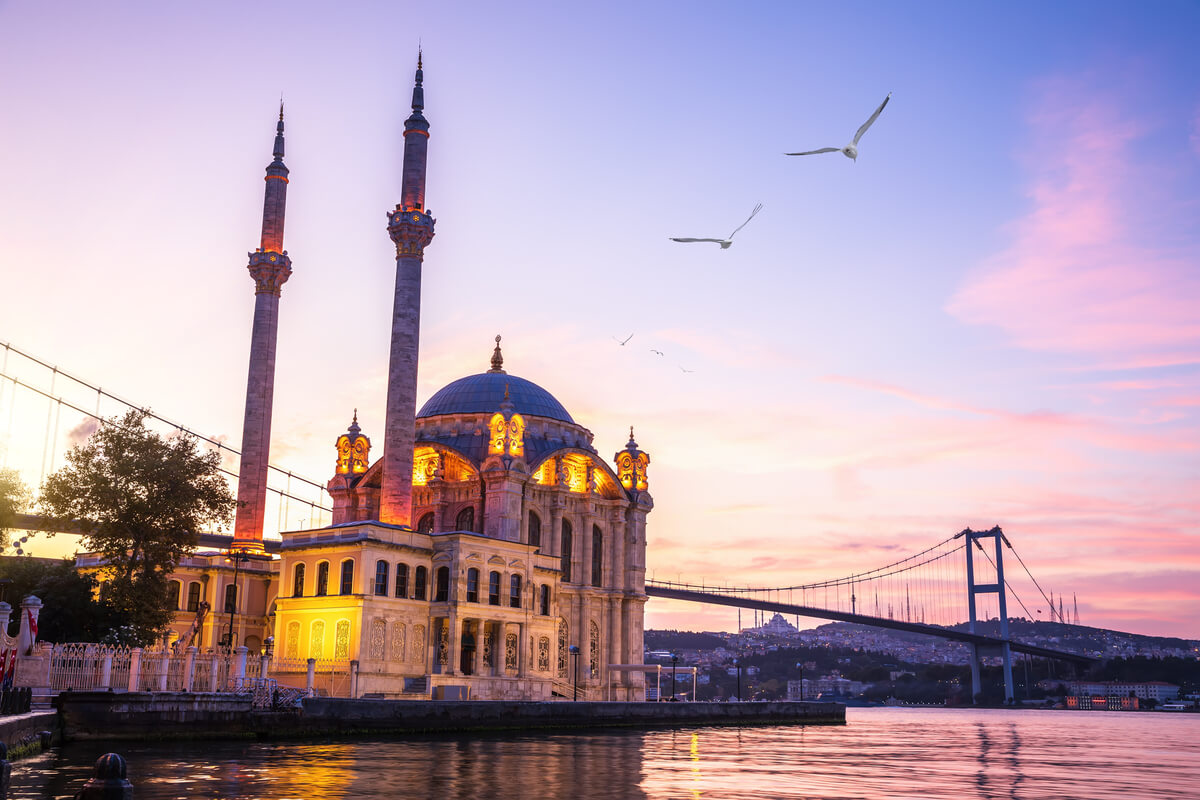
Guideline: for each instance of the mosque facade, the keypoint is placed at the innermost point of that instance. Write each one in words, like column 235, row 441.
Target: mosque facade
column 490, row 551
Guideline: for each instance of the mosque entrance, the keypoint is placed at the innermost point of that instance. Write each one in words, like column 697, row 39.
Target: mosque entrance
column 467, row 654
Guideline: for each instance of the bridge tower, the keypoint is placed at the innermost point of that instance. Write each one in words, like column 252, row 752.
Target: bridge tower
column 411, row 229
column 270, row 268
column 971, row 540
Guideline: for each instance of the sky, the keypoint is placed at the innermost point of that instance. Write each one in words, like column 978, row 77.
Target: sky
column 989, row 318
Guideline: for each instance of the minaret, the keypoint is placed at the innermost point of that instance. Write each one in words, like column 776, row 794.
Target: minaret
column 270, row 267
column 411, row 229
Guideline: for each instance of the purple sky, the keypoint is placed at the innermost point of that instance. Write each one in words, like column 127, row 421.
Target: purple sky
column 990, row 318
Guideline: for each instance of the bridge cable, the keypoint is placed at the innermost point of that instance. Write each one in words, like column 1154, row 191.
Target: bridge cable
column 99, row 391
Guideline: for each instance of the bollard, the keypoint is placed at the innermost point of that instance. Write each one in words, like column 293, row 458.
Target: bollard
column 108, row 781
column 46, row 738
column 5, row 771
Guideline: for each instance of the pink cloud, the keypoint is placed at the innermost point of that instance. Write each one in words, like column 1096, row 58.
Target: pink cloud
column 1084, row 270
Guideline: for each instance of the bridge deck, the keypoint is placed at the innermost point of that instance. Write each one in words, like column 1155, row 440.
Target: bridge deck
column 674, row 593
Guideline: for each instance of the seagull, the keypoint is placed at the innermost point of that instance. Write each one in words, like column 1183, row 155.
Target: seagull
column 727, row 241
column 850, row 151
column 618, row 341
column 659, row 352
column 687, row 370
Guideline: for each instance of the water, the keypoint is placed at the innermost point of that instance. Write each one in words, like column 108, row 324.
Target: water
column 879, row 753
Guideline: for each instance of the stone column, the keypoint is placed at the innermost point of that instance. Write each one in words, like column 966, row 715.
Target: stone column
column 239, row 665
column 106, row 671
column 135, row 668
column 480, row 632
column 454, row 628
column 31, row 607
column 310, row 679
column 552, row 539
column 189, row 669
column 214, row 667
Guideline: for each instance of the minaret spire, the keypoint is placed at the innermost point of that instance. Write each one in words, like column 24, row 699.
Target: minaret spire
column 410, row 226
column 270, row 268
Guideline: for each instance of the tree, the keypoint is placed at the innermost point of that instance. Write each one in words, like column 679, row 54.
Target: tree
column 71, row 611
column 14, row 497
column 140, row 500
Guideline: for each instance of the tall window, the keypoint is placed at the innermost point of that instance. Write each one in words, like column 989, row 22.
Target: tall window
column 381, row 578
column 347, row 586
column 419, row 583
column 535, row 529
column 173, row 591
column 230, row 598
column 472, row 585
column 465, row 521
column 493, row 588
column 193, row 596
column 597, row 555
column 545, row 600
column 298, row 580
column 514, row 591
column 425, row 525
column 442, row 587
column 402, row 581
column 565, row 560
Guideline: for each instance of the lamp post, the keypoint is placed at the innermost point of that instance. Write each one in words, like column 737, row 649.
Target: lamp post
column 737, row 662
column 237, row 557
column 800, row 666
column 674, row 661
column 574, row 651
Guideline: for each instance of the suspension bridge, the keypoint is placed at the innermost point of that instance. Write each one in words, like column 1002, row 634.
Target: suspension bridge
column 951, row 590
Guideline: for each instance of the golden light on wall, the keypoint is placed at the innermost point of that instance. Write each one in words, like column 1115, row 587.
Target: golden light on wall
column 507, row 435
column 427, row 465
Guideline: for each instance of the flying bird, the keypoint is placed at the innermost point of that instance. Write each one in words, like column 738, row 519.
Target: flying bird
column 618, row 341
column 850, row 151
column 659, row 352
column 687, row 370
column 728, row 240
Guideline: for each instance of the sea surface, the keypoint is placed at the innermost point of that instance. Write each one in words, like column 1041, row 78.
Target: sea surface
column 879, row 753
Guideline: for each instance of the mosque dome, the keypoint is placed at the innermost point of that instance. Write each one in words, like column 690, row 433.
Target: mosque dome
column 483, row 394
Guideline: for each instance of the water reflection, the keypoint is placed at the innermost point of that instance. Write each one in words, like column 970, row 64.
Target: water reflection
column 880, row 753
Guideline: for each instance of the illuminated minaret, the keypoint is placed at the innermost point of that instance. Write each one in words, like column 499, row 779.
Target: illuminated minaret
column 270, row 267
column 411, row 229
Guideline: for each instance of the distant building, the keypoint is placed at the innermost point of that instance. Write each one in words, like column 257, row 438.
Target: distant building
column 1159, row 691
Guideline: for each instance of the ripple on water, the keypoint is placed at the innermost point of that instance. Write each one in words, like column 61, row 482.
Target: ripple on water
column 879, row 753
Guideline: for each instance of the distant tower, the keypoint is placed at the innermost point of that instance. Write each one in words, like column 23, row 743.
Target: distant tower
column 270, row 267
column 411, row 229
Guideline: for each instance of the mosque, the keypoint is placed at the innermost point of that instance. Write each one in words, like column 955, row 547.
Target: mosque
column 489, row 551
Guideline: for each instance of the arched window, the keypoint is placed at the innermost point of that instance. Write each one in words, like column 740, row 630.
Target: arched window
column 381, row 578
column 465, row 521
column 535, row 529
column 322, row 579
column 426, row 523
column 193, row 596
column 316, row 639
column 597, row 555
column 472, row 585
column 230, row 598
column 565, row 560
column 292, row 642
column 442, row 587
column 493, row 588
column 419, row 583
column 298, row 580
column 174, row 588
column 514, row 591
column 545, row 600
column 402, row 581
column 347, row 586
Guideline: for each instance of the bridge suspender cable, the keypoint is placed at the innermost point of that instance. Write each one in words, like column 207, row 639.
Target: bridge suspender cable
column 101, row 392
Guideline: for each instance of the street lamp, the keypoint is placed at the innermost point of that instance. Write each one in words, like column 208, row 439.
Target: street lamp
column 737, row 662
column 237, row 557
column 674, row 661
column 800, row 666
column 574, row 651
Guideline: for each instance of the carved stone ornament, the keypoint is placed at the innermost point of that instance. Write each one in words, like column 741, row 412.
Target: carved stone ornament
column 354, row 450
column 411, row 232
column 510, row 651
column 270, row 271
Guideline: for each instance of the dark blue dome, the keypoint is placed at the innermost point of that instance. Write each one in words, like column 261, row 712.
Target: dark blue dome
column 483, row 394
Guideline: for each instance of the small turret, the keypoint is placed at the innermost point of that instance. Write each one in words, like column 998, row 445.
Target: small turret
column 631, row 465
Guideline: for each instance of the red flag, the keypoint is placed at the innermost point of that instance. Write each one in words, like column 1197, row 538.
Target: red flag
column 32, row 624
